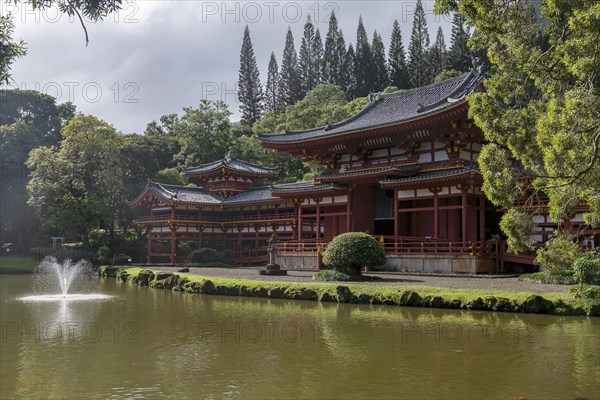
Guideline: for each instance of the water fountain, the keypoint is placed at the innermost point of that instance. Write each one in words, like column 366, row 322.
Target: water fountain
column 52, row 274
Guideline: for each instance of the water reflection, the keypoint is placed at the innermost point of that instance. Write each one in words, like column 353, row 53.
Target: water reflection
column 162, row 344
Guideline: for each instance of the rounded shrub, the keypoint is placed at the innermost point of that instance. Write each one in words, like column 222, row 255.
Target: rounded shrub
column 351, row 251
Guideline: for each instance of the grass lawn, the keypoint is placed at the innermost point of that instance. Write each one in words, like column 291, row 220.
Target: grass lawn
column 17, row 262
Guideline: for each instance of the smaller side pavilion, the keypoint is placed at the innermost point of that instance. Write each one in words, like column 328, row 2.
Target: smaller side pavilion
column 230, row 175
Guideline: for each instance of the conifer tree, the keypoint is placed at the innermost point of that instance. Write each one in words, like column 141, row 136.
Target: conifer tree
column 333, row 57
column 308, row 64
column 272, row 99
column 289, row 79
column 437, row 55
column 397, row 60
column 459, row 57
column 250, row 92
column 317, row 48
column 342, row 79
column 350, row 72
column 364, row 62
column 417, row 49
column 380, row 69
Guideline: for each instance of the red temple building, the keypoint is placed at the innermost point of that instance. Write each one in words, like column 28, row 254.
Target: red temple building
column 403, row 169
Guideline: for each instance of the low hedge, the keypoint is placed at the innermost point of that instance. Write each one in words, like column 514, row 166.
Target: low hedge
column 331, row 275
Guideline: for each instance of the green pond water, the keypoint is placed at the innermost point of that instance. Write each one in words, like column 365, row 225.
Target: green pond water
column 146, row 343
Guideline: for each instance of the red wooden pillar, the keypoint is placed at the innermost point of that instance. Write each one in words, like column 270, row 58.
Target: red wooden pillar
column 318, row 227
column 295, row 227
column 173, row 257
column 436, row 213
column 482, row 218
column 149, row 259
column 240, row 247
column 349, row 212
column 396, row 216
column 300, row 220
column 463, row 211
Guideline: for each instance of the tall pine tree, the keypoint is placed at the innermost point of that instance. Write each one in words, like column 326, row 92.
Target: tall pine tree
column 333, row 56
column 250, row 92
column 397, row 60
column 437, row 55
column 317, row 48
column 289, row 79
column 272, row 94
column 417, row 49
column 364, row 62
column 308, row 63
column 380, row 69
column 350, row 72
column 459, row 57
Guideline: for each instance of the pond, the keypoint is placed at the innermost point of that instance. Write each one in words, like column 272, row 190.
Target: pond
column 147, row 343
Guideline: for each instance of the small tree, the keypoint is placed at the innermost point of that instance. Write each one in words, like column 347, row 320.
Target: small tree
column 351, row 251
column 587, row 269
column 558, row 255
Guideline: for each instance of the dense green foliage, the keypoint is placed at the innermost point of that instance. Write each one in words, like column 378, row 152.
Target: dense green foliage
column 540, row 112
column 78, row 186
column 204, row 133
column 351, row 251
column 558, row 255
column 28, row 120
column 10, row 50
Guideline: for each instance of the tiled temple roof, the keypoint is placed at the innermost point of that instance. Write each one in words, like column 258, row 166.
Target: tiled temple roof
column 234, row 164
column 304, row 187
column 387, row 169
column 184, row 194
column 197, row 195
column 388, row 109
column 425, row 175
column 259, row 194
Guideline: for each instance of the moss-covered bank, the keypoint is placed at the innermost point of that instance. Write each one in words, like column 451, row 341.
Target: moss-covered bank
column 415, row 296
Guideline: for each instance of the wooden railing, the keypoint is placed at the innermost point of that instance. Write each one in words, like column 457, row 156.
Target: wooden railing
column 214, row 218
column 402, row 245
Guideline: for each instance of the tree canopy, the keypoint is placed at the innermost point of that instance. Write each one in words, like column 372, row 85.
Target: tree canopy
column 540, row 113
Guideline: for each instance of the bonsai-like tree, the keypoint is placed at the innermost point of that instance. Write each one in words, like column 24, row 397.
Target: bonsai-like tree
column 351, row 251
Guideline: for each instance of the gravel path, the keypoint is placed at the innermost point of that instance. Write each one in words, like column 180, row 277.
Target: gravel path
column 389, row 278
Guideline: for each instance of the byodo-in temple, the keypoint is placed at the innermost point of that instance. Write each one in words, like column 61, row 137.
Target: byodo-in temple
column 403, row 169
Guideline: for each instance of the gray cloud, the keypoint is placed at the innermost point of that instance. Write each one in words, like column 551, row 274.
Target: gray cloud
column 155, row 57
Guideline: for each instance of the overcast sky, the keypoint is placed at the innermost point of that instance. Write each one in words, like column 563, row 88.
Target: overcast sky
column 155, row 57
